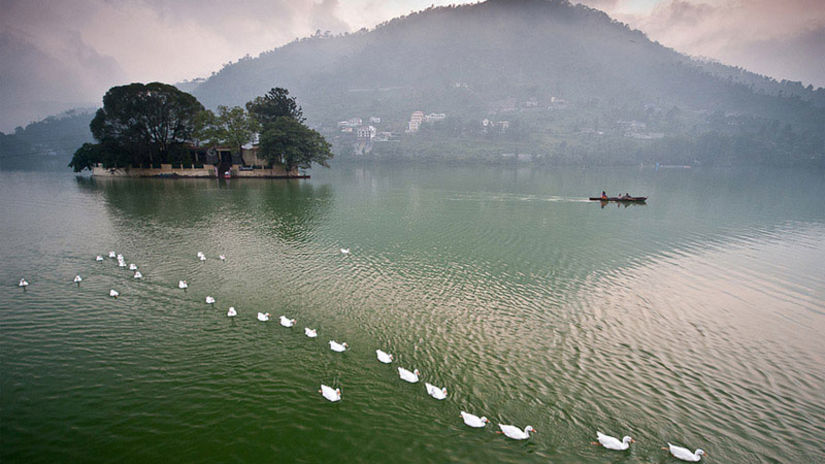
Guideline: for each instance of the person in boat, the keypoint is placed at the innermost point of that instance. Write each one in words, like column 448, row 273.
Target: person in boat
column 625, row 196
column 604, row 195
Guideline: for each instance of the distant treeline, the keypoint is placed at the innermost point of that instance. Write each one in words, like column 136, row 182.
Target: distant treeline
column 49, row 142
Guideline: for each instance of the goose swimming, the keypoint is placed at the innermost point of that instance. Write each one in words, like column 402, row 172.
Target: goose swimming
column 474, row 421
column 113, row 293
column 78, row 279
column 120, row 257
column 411, row 377
column 684, row 454
column 200, row 254
column 338, row 347
column 99, row 258
column 511, row 431
column 222, row 257
column 23, row 283
column 330, row 394
column 613, row 443
column 232, row 312
column 112, row 254
column 263, row 317
column 287, row 322
column 385, row 358
column 138, row 275
column 133, row 267
column 435, row 392
column 210, row 300
column 345, row 251
column 202, row 258
column 311, row 333
column 121, row 264
column 182, row 284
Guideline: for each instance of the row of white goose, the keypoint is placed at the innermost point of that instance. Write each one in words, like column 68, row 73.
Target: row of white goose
column 335, row 395
column 471, row 420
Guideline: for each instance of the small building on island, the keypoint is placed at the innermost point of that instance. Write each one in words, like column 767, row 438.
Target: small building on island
column 212, row 162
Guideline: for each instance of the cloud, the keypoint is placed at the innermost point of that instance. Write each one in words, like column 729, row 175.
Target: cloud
column 747, row 33
column 71, row 52
column 38, row 82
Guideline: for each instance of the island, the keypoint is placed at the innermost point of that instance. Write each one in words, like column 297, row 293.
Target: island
column 157, row 130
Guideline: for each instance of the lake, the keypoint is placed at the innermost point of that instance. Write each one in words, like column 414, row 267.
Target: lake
column 696, row 319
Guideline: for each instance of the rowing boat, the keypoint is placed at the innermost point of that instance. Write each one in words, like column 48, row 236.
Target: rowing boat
column 628, row 200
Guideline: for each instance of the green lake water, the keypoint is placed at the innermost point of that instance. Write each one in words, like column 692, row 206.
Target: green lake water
column 698, row 318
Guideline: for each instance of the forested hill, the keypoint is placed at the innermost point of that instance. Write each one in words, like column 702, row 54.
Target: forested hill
column 46, row 144
column 558, row 73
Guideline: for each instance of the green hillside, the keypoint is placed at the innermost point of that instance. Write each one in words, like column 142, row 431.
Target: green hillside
column 573, row 85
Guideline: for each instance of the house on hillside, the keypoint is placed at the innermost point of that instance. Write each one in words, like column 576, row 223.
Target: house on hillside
column 415, row 121
column 366, row 133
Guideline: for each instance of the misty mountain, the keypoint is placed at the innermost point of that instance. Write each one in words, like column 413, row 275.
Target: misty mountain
column 37, row 82
column 511, row 59
column 48, row 143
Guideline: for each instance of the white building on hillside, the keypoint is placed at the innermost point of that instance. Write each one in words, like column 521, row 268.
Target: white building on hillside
column 366, row 132
column 415, row 121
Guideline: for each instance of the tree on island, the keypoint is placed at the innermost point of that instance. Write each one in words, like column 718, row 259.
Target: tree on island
column 231, row 126
column 288, row 142
column 273, row 105
column 285, row 139
column 139, row 124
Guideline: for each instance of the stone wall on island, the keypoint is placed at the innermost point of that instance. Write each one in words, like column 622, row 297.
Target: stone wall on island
column 208, row 170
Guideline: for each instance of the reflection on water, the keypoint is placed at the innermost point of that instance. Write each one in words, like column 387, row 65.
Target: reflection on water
column 695, row 319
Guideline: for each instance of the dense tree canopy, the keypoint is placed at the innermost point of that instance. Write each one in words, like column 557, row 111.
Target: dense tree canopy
column 231, row 126
column 290, row 143
column 140, row 124
column 273, row 105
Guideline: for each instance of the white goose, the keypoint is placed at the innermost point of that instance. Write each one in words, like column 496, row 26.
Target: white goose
column 385, row 358
column 511, row 431
column 613, row 443
column 202, row 258
column 411, row 377
column 263, row 317
column 287, row 322
column 133, row 267
column 210, row 300
column 435, row 392
column 98, row 258
column 311, row 333
column 231, row 312
column 182, row 284
column 113, row 293
column 344, row 251
column 330, row 394
column 78, row 279
column 222, row 257
column 684, row 454
column 23, row 283
column 338, row 347
column 121, row 263
column 119, row 257
column 112, row 254
column 138, row 275
column 201, row 255
column 474, row 421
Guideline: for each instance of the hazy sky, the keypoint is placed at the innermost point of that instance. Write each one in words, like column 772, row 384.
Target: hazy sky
column 68, row 52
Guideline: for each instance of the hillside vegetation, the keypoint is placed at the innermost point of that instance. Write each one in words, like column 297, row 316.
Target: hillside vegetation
column 573, row 85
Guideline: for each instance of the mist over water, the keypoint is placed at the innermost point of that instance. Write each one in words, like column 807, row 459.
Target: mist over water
column 694, row 319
